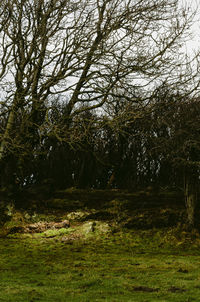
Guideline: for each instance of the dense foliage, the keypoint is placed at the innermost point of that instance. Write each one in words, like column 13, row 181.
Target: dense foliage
column 155, row 146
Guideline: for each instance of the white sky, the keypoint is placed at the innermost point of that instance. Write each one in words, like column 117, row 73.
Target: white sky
column 194, row 43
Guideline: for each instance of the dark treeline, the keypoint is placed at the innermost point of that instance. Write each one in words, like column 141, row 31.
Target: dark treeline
column 157, row 145
column 129, row 148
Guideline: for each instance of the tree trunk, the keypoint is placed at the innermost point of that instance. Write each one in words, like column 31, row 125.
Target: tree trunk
column 7, row 133
column 190, row 192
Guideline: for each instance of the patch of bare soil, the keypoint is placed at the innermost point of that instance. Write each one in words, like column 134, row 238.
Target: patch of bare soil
column 145, row 289
column 184, row 271
column 40, row 227
column 174, row 289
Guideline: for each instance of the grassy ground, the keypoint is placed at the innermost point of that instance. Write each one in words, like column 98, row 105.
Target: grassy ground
column 112, row 251
column 125, row 266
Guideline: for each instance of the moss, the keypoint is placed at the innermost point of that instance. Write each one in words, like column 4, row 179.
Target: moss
column 54, row 233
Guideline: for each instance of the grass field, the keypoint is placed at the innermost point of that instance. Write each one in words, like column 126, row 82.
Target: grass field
column 116, row 248
column 123, row 266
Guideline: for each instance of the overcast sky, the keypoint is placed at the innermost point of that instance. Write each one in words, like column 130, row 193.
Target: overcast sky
column 194, row 43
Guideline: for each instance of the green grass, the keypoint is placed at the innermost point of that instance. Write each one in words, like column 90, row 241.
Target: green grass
column 126, row 266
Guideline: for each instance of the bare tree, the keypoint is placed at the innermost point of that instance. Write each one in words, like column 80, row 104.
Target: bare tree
column 88, row 53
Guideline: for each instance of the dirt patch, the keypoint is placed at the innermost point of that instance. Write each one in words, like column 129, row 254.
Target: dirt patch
column 145, row 289
column 184, row 271
column 174, row 289
column 40, row 227
column 152, row 218
column 101, row 215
